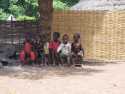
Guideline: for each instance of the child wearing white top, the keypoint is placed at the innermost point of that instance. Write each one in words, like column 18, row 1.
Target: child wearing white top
column 64, row 49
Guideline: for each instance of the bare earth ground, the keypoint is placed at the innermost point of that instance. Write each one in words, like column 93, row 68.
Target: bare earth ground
column 91, row 79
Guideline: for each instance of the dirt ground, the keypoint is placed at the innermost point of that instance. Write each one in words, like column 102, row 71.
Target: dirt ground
column 94, row 78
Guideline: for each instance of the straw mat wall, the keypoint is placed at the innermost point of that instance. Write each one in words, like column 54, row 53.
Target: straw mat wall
column 102, row 32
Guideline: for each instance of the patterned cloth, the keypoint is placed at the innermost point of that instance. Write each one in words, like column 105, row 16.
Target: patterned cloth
column 65, row 49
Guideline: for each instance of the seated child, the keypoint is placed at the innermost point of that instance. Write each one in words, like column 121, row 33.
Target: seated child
column 38, row 47
column 65, row 49
column 53, row 45
column 77, row 50
column 27, row 55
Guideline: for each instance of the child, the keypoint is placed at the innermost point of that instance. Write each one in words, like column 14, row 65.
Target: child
column 65, row 49
column 77, row 50
column 38, row 47
column 53, row 45
column 46, row 53
column 27, row 56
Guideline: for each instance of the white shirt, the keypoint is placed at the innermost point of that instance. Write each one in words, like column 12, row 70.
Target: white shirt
column 64, row 48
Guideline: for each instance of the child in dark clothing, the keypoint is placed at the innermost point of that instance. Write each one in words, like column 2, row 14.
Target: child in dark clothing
column 38, row 48
column 53, row 46
column 77, row 50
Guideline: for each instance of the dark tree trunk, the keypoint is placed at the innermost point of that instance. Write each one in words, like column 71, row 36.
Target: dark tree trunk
column 46, row 12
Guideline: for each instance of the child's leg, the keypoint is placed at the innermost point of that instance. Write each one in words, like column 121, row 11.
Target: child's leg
column 50, row 56
column 56, row 58
column 73, row 59
column 30, row 62
column 46, row 59
column 42, row 57
column 69, row 60
column 32, row 57
column 22, row 57
column 62, row 59
column 78, row 62
column 65, row 59
column 80, row 58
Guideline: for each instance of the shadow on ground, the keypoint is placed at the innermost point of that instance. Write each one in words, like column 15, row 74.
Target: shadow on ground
column 35, row 73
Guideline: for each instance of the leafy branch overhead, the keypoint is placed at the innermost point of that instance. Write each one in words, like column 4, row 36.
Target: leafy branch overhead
column 22, row 8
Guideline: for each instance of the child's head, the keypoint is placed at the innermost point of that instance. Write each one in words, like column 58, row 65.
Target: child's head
column 28, row 37
column 76, row 37
column 65, row 38
column 28, row 40
column 56, row 36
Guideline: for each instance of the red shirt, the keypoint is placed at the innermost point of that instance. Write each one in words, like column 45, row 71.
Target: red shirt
column 27, row 47
column 54, row 45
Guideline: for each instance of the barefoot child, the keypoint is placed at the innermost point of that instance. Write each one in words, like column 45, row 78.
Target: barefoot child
column 65, row 49
column 46, row 53
column 27, row 55
column 39, row 51
column 53, row 45
column 77, row 50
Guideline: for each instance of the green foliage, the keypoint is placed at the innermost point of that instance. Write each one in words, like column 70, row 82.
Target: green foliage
column 13, row 1
column 28, row 8
column 4, row 4
column 3, row 15
column 31, row 5
column 70, row 2
column 20, row 18
column 16, row 10
column 58, row 5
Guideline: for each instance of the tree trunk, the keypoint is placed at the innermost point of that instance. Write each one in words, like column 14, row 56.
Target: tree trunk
column 46, row 12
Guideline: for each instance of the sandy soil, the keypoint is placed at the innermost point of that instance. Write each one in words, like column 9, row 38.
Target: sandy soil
column 91, row 79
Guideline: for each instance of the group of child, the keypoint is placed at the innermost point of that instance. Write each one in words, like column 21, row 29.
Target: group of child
column 54, row 52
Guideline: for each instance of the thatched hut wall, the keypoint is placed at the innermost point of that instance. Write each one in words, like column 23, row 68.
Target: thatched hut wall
column 102, row 32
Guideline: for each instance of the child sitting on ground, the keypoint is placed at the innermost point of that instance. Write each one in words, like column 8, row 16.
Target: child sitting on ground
column 53, row 45
column 77, row 50
column 65, row 49
column 39, row 51
column 27, row 55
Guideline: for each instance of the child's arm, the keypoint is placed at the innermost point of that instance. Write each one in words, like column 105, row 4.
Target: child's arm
column 59, row 48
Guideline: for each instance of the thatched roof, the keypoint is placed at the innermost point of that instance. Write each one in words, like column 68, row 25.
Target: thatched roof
column 99, row 5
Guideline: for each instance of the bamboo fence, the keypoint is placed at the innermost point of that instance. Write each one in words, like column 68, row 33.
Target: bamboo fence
column 102, row 32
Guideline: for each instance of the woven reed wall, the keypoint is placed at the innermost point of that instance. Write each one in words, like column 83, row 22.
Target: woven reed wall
column 102, row 32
